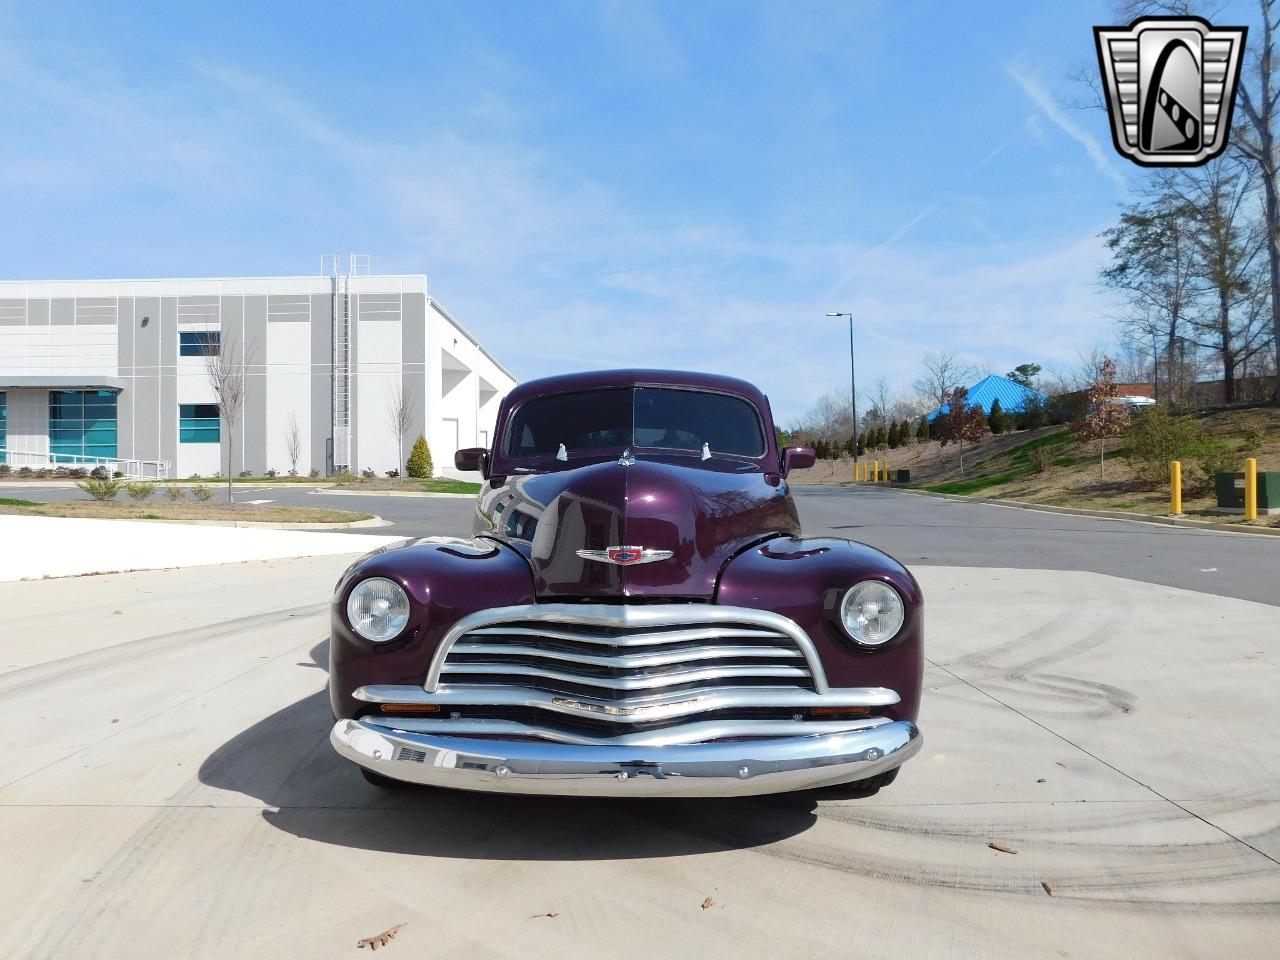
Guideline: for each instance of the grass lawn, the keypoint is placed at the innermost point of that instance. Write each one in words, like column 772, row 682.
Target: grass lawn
column 181, row 510
column 434, row 485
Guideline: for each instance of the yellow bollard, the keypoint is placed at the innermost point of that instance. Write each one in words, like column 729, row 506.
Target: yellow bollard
column 859, row 469
column 876, row 475
column 1175, row 487
column 1251, row 489
column 886, row 471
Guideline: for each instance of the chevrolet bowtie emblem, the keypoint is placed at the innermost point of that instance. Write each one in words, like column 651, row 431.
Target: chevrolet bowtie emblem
column 1171, row 86
column 626, row 556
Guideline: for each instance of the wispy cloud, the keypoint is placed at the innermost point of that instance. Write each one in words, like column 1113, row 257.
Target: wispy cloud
column 1044, row 101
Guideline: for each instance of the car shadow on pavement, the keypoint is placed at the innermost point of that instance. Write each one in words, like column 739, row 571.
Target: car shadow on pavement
column 285, row 761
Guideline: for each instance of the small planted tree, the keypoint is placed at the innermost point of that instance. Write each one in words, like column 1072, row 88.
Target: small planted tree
column 962, row 423
column 293, row 443
column 923, row 434
column 1101, row 417
column 400, row 416
column 224, row 367
column 420, row 466
column 141, row 490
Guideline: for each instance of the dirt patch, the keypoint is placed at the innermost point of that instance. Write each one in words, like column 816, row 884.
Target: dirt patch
column 165, row 510
column 434, row 485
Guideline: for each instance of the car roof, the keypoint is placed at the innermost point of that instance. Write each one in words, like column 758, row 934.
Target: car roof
column 600, row 379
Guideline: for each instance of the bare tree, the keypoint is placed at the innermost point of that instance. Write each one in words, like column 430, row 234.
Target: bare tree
column 400, row 407
column 293, row 444
column 225, row 368
column 943, row 372
column 828, row 426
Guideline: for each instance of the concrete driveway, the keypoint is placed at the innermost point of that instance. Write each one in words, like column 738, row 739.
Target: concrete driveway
column 166, row 790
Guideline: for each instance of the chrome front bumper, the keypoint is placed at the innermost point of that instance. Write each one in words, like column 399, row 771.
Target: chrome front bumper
column 715, row 769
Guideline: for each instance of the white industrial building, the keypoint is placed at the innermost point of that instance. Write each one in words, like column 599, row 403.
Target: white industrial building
column 114, row 372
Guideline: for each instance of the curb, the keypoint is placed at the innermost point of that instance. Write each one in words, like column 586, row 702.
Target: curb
column 273, row 524
column 1186, row 522
column 329, row 491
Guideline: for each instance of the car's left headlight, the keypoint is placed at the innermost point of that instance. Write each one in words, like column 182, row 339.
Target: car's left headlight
column 378, row 609
column 872, row 612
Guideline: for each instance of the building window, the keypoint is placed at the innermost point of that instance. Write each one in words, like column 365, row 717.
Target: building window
column 198, row 423
column 198, row 343
column 4, row 425
column 82, row 425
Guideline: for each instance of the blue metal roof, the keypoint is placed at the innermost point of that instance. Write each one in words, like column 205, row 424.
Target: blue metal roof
column 988, row 390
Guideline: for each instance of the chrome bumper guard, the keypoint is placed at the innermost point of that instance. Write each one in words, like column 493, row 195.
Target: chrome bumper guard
column 724, row 768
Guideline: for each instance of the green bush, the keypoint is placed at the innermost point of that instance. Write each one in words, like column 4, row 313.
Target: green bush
column 419, row 465
column 1155, row 437
column 1042, row 458
column 174, row 492
column 100, row 488
column 202, row 492
column 140, row 490
column 344, row 478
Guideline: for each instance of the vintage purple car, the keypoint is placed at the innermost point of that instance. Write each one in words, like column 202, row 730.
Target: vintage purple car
column 637, row 613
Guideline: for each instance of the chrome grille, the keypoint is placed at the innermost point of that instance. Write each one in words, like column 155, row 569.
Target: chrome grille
column 626, row 656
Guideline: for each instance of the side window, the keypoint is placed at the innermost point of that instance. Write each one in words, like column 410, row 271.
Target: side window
column 198, row 423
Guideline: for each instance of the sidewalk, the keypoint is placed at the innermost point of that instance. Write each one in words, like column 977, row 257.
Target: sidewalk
column 40, row 547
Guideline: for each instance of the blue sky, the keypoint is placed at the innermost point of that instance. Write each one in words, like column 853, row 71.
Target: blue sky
column 596, row 184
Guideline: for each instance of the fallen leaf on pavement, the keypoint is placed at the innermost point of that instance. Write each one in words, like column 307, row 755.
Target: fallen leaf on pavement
column 1048, row 887
column 380, row 939
column 1001, row 847
column 708, row 903
column 538, row 916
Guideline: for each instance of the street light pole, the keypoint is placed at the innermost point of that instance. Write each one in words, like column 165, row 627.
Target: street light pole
column 853, row 384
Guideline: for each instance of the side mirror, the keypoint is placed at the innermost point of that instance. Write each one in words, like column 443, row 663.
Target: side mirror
column 797, row 458
column 471, row 458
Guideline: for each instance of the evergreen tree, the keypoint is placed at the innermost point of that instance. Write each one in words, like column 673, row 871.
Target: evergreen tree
column 922, row 431
column 997, row 419
column 419, row 465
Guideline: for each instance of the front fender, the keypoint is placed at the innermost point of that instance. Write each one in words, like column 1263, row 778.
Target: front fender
column 803, row 579
column 446, row 579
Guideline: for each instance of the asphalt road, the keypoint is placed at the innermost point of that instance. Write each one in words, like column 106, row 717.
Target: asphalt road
column 923, row 530
column 167, row 791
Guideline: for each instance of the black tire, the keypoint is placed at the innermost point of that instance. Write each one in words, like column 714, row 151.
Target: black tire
column 385, row 783
column 858, row 789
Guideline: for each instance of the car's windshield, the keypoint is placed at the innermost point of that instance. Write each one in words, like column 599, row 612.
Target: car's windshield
column 620, row 417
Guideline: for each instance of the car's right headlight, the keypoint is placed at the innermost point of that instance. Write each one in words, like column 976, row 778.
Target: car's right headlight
column 872, row 613
column 378, row 609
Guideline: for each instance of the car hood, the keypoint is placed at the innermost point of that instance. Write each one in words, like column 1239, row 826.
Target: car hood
column 702, row 514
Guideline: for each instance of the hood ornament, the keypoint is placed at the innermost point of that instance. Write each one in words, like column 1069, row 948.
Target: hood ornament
column 626, row 460
column 562, row 454
column 706, row 451
column 626, row 556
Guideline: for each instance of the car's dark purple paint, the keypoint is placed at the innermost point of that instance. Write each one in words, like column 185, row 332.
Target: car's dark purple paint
column 729, row 521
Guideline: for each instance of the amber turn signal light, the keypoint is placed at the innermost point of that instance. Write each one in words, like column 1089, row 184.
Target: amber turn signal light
column 409, row 707
column 839, row 711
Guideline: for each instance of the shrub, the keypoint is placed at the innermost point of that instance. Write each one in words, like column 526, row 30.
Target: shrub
column 202, row 492
column 315, row 472
column 5, row 469
column 393, row 474
column 1155, row 437
column 245, row 473
column 77, row 473
column 194, row 476
column 419, row 465
column 272, row 473
column 174, row 492
column 294, row 473
column 1033, row 415
column 369, row 473
column 140, row 491
column 100, row 473
column 24, row 472
column 1042, row 458
column 1214, row 456
column 117, row 474
column 345, row 478
column 100, row 488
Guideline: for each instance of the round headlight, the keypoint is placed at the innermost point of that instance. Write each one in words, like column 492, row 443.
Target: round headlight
column 872, row 612
column 378, row 609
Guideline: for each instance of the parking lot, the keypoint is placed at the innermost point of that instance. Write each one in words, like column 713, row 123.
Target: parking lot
column 1099, row 703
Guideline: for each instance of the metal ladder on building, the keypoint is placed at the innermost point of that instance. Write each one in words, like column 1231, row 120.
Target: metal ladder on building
column 344, row 316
